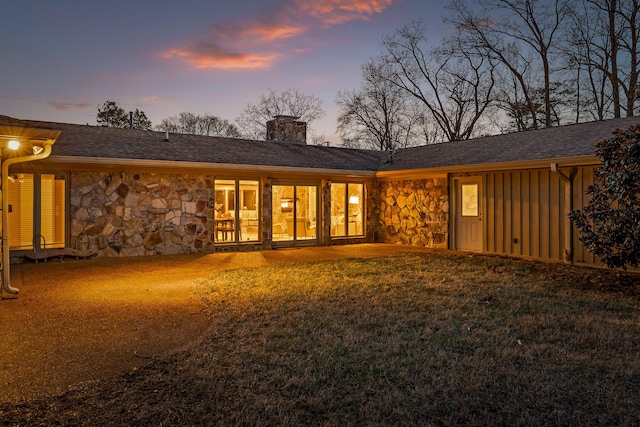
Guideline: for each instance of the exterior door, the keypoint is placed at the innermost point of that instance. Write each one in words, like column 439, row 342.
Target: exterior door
column 294, row 214
column 468, row 225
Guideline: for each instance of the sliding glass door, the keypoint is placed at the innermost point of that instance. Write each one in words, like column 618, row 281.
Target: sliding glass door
column 295, row 213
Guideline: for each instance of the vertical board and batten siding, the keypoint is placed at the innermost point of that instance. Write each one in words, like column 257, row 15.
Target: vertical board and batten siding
column 581, row 182
column 526, row 213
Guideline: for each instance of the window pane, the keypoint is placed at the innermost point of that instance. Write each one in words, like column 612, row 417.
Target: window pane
column 249, row 213
column 52, row 211
column 20, row 216
column 469, row 199
column 347, row 208
column 305, row 212
column 338, row 209
column 282, row 212
column 356, row 202
column 225, row 220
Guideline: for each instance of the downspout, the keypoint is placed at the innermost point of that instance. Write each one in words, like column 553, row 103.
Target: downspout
column 6, row 272
column 567, row 254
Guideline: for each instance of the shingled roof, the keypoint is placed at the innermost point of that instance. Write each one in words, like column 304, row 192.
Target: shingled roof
column 544, row 144
column 94, row 142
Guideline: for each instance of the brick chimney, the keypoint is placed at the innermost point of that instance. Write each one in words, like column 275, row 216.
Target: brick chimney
column 287, row 129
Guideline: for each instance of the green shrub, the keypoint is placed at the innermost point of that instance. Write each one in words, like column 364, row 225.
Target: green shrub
column 609, row 225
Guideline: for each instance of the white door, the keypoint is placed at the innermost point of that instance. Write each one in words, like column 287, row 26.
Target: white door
column 469, row 214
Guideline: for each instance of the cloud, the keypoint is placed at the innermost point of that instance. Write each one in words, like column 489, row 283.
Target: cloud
column 156, row 99
column 67, row 106
column 237, row 46
column 336, row 12
column 259, row 31
column 14, row 98
column 256, row 43
column 206, row 55
column 275, row 32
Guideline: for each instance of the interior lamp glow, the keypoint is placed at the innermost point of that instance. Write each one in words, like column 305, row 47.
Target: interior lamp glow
column 46, row 138
column 354, row 200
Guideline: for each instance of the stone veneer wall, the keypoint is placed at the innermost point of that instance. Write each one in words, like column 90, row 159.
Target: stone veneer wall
column 132, row 214
column 413, row 212
column 129, row 214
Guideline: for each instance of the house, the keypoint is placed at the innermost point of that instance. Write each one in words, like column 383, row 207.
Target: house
column 125, row 192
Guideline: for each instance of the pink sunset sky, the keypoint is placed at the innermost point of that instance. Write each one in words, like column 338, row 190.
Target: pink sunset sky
column 62, row 59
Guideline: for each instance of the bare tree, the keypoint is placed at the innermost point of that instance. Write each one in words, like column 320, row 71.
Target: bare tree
column 253, row 119
column 379, row 115
column 195, row 124
column 453, row 86
column 611, row 6
column 213, row 125
column 521, row 35
column 320, row 139
column 604, row 38
column 594, row 43
column 589, row 55
column 629, row 14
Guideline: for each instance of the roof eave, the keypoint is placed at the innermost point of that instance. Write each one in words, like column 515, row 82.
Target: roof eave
column 219, row 167
column 587, row 160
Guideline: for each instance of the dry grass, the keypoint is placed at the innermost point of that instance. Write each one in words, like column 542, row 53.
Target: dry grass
column 422, row 339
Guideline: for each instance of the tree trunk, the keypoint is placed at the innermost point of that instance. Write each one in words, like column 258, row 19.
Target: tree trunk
column 615, row 82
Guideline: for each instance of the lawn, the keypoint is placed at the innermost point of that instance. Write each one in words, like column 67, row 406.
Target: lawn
column 418, row 339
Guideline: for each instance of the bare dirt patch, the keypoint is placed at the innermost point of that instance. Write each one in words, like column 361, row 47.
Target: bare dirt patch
column 83, row 321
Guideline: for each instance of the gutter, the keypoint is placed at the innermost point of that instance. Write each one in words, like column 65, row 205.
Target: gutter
column 567, row 253
column 6, row 273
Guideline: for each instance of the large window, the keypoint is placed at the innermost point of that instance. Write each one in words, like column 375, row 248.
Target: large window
column 295, row 213
column 21, row 197
column 41, row 196
column 52, row 210
column 237, row 205
column 347, row 208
